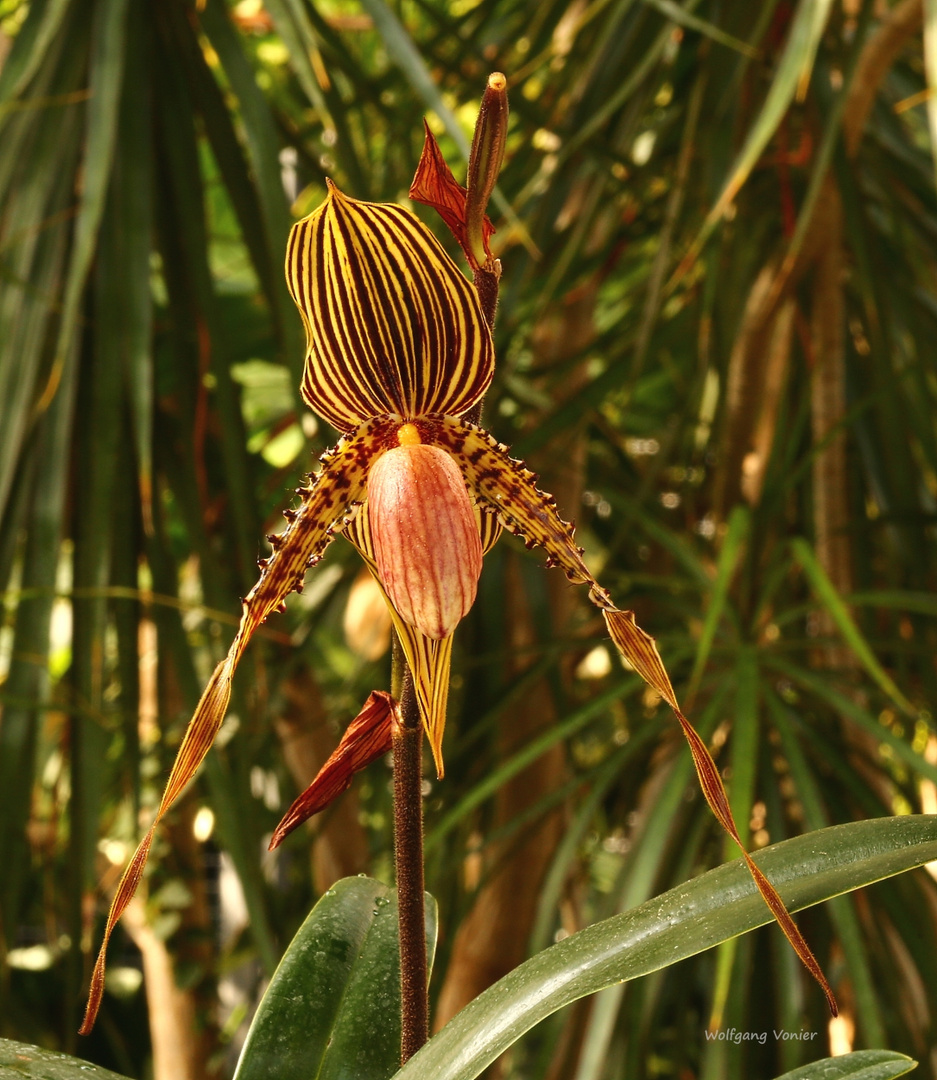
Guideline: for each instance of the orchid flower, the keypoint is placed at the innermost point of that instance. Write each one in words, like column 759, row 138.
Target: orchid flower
column 399, row 355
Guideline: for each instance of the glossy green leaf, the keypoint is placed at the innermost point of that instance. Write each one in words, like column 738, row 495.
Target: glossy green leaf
column 642, row 870
column 684, row 921
column 19, row 1060
column 861, row 1065
column 332, row 1009
column 842, row 911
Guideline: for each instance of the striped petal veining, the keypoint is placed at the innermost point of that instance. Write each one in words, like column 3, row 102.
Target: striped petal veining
column 392, row 324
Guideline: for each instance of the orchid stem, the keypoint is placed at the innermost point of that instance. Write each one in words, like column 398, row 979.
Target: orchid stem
column 487, row 152
column 408, row 853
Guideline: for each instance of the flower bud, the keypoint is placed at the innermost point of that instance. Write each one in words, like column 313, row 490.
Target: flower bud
column 425, row 538
column 367, row 620
column 491, row 132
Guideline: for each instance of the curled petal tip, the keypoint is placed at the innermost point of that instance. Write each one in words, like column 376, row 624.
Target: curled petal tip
column 435, row 745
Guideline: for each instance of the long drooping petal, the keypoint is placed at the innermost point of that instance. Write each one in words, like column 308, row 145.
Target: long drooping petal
column 509, row 490
column 367, row 737
column 392, row 325
column 428, row 659
column 325, row 504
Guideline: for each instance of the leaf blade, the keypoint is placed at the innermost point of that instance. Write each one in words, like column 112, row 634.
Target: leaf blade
column 718, row 905
column 331, row 1005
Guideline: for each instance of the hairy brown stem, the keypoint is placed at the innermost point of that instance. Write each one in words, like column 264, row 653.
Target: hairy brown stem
column 485, row 163
column 408, row 854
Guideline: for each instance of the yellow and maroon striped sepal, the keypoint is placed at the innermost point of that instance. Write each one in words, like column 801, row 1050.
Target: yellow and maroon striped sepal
column 392, row 324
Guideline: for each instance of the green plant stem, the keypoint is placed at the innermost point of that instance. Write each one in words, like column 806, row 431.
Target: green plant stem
column 408, row 853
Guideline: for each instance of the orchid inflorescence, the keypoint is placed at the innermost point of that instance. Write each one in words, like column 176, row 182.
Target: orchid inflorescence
column 399, row 357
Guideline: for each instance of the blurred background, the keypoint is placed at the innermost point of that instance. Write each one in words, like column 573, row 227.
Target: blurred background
column 716, row 344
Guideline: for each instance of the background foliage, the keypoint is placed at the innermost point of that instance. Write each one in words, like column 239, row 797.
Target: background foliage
column 718, row 229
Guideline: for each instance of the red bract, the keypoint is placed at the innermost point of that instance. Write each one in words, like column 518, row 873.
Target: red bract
column 366, row 738
column 435, row 186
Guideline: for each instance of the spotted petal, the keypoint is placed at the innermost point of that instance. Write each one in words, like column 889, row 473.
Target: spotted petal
column 325, row 505
column 509, row 490
column 392, row 325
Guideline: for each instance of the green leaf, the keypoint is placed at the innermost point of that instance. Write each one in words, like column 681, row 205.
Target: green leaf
column 133, row 211
column 842, row 912
column 26, row 688
column 820, row 686
column 519, row 761
column 30, row 45
column 828, row 596
column 732, row 547
column 792, row 75
column 641, row 70
column 20, row 1059
column 744, row 765
column 292, row 24
column 408, row 58
column 645, row 862
column 682, row 922
column 672, row 10
column 333, row 1007
column 262, row 144
column 930, row 69
column 862, row 1065
column 106, row 72
column 36, row 186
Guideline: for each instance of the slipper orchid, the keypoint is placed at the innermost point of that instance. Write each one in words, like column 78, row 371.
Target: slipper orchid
column 399, row 352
